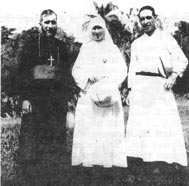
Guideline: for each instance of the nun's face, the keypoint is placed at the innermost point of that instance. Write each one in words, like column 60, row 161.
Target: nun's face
column 98, row 33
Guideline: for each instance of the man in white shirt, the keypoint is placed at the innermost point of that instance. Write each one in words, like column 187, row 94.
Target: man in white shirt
column 154, row 131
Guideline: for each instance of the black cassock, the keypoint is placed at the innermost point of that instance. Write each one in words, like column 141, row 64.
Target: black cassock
column 45, row 80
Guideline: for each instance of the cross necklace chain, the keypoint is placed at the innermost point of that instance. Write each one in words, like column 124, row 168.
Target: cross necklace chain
column 50, row 59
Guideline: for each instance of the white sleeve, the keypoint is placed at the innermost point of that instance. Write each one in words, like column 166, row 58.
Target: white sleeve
column 180, row 61
column 79, row 70
column 117, row 68
column 132, row 66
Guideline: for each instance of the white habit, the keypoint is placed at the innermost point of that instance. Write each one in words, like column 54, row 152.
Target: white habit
column 99, row 131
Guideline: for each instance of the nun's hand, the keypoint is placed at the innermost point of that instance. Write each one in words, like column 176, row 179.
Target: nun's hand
column 127, row 99
column 125, row 94
column 170, row 81
column 93, row 80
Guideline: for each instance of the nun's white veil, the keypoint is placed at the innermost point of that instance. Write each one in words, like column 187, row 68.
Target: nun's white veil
column 98, row 21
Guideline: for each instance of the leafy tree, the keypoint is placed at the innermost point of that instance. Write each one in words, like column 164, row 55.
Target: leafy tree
column 72, row 46
column 182, row 37
column 8, row 58
column 9, row 50
column 6, row 34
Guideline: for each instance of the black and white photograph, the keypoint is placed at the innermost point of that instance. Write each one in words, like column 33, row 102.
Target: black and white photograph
column 94, row 93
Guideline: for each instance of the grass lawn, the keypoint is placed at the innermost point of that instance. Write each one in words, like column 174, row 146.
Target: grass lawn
column 183, row 107
column 55, row 168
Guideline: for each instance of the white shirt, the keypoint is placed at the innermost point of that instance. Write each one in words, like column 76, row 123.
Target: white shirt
column 158, row 53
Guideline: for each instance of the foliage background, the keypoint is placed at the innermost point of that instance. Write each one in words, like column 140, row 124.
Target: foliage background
column 123, row 33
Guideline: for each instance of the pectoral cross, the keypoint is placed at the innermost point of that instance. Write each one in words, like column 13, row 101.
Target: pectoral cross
column 51, row 59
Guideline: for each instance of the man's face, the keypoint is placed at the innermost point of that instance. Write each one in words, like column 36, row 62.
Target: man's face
column 98, row 33
column 147, row 21
column 49, row 25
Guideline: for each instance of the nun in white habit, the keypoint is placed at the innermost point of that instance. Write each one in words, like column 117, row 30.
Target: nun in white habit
column 99, row 122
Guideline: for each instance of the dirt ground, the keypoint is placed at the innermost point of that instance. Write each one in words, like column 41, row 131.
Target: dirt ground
column 55, row 168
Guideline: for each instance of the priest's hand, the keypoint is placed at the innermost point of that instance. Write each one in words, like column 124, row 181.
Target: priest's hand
column 170, row 81
column 26, row 107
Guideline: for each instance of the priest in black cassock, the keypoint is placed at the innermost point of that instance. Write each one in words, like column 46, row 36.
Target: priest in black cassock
column 45, row 85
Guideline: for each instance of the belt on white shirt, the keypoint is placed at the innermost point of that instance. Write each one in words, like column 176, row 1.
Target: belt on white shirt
column 148, row 74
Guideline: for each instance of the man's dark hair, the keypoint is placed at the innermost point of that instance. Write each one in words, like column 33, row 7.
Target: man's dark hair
column 47, row 12
column 147, row 8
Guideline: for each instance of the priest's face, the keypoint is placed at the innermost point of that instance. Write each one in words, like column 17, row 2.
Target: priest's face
column 98, row 33
column 147, row 21
column 49, row 25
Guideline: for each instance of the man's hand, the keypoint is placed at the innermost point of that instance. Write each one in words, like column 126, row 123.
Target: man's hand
column 26, row 107
column 170, row 81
